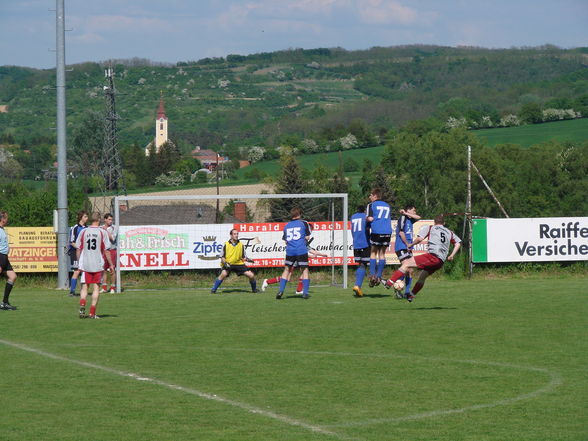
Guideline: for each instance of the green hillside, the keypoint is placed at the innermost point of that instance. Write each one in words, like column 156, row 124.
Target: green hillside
column 382, row 104
column 269, row 98
column 573, row 130
column 526, row 136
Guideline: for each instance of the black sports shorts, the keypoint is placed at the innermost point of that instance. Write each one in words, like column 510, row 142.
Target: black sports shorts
column 5, row 264
column 403, row 254
column 237, row 269
column 362, row 255
column 301, row 260
column 380, row 240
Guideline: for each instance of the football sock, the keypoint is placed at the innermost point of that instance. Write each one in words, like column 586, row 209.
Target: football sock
column 408, row 282
column 417, row 287
column 396, row 275
column 82, row 302
column 283, row 283
column 359, row 275
column 274, row 280
column 104, row 287
column 306, row 284
column 300, row 286
column 253, row 284
column 217, row 283
column 7, row 290
column 113, row 287
column 93, row 310
column 372, row 267
column 72, row 285
column 381, row 265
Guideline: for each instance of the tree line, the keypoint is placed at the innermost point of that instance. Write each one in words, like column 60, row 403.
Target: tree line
column 430, row 170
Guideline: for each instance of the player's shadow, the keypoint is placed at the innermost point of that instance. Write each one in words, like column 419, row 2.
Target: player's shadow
column 237, row 290
column 432, row 308
column 375, row 296
column 103, row 316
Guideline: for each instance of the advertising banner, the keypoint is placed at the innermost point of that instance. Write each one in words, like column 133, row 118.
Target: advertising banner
column 530, row 239
column 32, row 249
column 167, row 247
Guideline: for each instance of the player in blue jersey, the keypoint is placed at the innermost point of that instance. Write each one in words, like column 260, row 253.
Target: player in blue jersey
column 296, row 234
column 74, row 232
column 379, row 216
column 403, row 242
column 361, row 246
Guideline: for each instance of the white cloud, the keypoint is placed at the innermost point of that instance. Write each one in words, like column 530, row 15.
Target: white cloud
column 385, row 12
column 88, row 38
column 240, row 12
column 114, row 23
column 315, row 6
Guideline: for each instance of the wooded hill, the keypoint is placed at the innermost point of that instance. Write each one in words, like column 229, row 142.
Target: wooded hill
column 284, row 97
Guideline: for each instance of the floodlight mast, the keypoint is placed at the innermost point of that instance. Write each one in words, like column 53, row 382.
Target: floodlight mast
column 62, row 214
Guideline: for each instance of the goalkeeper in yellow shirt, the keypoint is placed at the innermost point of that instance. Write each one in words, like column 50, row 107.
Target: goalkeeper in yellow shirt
column 233, row 260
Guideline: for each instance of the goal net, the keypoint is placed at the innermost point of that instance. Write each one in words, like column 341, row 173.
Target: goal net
column 187, row 232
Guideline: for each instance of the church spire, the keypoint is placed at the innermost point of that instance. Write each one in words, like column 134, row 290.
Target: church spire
column 161, row 111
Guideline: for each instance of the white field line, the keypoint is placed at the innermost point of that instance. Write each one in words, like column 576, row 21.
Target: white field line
column 213, row 397
column 554, row 382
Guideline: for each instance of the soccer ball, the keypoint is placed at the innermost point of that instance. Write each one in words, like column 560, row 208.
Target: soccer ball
column 398, row 285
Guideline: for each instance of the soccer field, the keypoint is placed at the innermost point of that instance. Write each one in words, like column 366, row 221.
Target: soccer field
column 469, row 360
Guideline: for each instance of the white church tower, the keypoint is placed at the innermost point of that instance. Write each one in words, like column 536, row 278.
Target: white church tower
column 160, row 127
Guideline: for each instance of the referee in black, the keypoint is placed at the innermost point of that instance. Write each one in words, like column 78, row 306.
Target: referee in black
column 5, row 266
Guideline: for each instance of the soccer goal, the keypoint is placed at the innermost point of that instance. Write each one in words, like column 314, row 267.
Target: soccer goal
column 187, row 232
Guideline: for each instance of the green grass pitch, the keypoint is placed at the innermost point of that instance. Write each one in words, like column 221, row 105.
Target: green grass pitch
column 468, row 360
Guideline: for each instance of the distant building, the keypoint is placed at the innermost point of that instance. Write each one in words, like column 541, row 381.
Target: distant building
column 160, row 128
column 209, row 158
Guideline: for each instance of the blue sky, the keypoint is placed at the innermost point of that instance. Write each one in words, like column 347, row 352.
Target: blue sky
column 181, row 30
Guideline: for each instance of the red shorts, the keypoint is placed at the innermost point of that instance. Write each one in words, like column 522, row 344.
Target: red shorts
column 112, row 256
column 88, row 278
column 428, row 262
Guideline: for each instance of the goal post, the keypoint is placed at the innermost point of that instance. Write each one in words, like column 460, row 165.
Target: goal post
column 184, row 217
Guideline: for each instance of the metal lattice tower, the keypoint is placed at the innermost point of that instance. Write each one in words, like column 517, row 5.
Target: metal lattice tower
column 111, row 170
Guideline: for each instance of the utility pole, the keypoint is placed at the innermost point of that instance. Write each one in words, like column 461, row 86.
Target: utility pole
column 469, row 212
column 62, row 224
column 111, row 169
column 216, row 170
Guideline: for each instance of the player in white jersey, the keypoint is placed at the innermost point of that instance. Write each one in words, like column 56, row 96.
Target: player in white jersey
column 91, row 247
column 112, row 232
column 439, row 240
